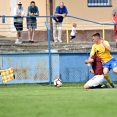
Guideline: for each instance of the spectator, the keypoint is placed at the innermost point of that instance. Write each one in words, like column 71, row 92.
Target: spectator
column 73, row 32
column 32, row 22
column 60, row 13
column 114, row 19
column 18, row 21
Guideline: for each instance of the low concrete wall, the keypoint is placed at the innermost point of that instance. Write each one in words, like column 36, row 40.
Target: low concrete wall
column 39, row 35
column 85, row 35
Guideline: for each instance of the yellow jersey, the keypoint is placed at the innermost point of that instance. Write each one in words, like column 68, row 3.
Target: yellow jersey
column 101, row 52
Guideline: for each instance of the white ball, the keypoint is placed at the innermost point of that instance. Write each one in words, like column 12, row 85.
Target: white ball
column 57, row 82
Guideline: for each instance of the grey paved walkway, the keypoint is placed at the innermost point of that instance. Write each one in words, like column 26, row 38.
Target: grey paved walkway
column 8, row 45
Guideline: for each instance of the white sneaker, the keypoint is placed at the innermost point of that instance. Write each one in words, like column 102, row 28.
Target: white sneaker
column 20, row 39
column 55, row 41
column 17, row 41
column 60, row 40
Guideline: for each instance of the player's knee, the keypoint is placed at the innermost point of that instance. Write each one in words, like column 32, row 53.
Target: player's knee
column 105, row 72
column 115, row 70
column 86, row 86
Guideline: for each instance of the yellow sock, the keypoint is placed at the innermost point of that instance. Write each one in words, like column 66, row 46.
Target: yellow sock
column 108, row 78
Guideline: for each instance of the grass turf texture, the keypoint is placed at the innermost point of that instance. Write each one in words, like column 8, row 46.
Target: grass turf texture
column 48, row 101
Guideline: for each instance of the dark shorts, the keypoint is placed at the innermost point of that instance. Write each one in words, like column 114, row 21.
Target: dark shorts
column 72, row 37
column 18, row 26
column 31, row 24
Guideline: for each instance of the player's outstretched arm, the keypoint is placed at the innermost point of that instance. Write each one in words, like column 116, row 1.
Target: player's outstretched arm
column 88, row 61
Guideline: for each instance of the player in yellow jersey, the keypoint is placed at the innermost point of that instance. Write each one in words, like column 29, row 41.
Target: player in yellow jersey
column 102, row 50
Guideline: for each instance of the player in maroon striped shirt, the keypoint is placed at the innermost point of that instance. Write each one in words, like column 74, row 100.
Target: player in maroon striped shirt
column 98, row 78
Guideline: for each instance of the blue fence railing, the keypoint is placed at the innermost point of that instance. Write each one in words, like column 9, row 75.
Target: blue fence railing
column 51, row 16
column 35, row 67
column 49, row 52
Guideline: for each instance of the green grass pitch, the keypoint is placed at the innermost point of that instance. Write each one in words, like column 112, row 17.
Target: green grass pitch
column 35, row 100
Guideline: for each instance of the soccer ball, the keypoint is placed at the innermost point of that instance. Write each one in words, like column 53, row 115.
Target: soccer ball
column 57, row 82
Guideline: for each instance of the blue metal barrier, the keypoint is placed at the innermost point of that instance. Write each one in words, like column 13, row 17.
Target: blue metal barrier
column 34, row 67
column 51, row 16
column 91, row 21
column 72, row 67
column 49, row 52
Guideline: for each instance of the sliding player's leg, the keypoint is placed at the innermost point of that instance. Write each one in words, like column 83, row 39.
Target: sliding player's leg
column 94, row 82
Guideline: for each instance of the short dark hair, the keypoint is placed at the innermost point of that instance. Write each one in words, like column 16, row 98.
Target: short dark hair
column 96, row 35
column 62, row 3
column 32, row 2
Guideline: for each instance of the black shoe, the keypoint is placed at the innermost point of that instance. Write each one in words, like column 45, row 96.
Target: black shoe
column 29, row 41
column 32, row 41
column 105, row 86
column 112, row 85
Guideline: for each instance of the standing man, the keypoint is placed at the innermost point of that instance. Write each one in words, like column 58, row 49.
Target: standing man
column 114, row 19
column 60, row 14
column 18, row 21
column 32, row 21
column 102, row 50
